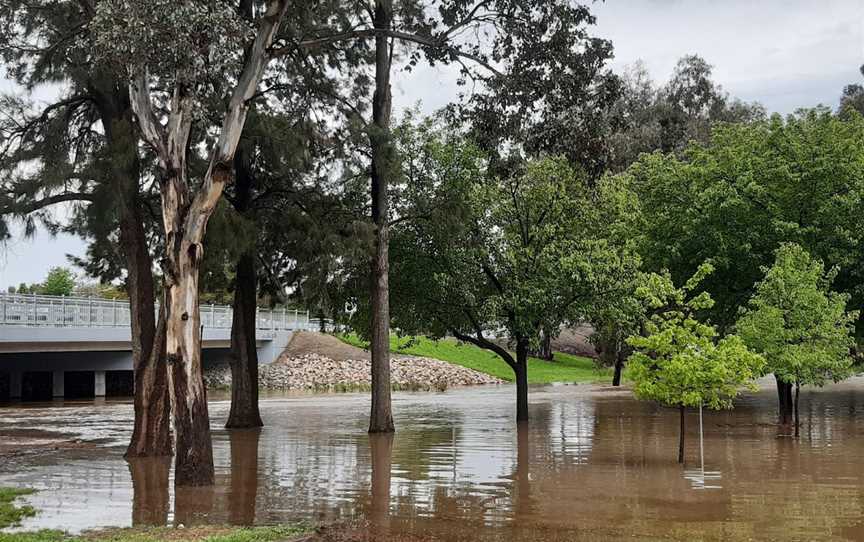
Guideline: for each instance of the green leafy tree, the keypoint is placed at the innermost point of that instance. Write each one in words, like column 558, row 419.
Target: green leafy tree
column 60, row 281
column 679, row 361
column 799, row 325
column 498, row 257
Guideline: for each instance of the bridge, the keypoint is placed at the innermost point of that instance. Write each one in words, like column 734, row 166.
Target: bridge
column 56, row 346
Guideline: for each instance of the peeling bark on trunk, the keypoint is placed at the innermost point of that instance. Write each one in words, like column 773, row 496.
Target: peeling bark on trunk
column 381, row 416
column 244, row 354
column 681, row 436
column 194, row 455
column 521, row 371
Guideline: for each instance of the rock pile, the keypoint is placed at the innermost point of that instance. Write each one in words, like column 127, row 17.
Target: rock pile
column 315, row 372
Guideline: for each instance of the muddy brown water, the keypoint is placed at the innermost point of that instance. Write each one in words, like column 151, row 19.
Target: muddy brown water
column 594, row 464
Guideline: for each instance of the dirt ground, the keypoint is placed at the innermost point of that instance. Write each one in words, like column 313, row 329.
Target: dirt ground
column 575, row 341
column 304, row 343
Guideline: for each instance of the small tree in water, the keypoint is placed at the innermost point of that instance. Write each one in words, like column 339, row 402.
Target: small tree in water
column 801, row 327
column 679, row 362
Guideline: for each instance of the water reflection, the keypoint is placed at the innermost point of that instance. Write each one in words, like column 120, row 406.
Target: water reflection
column 150, row 495
column 243, row 488
column 590, row 465
column 381, row 451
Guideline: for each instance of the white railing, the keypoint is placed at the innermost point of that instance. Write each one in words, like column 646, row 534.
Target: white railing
column 62, row 311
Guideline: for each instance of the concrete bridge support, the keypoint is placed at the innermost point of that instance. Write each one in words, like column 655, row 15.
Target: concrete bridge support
column 99, row 383
column 58, row 383
column 15, row 380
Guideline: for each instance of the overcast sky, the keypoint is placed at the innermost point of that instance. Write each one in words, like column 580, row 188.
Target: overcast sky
column 785, row 54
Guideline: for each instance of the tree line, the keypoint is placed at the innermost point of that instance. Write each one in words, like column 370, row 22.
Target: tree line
column 250, row 148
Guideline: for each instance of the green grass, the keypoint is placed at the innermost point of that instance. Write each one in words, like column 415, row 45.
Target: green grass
column 564, row 368
column 10, row 514
column 159, row 534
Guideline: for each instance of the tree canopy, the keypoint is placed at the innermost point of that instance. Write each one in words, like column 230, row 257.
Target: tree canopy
column 734, row 200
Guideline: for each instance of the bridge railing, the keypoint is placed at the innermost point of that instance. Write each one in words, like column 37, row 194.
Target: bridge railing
column 63, row 311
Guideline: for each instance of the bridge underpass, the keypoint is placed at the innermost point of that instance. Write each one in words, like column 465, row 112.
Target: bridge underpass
column 55, row 347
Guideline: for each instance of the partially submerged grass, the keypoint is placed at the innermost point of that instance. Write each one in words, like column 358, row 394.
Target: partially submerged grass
column 564, row 368
column 159, row 534
column 10, row 513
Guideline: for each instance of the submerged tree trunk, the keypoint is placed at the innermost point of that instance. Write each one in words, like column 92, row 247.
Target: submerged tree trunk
column 244, row 354
column 151, row 427
column 784, row 395
column 381, row 416
column 797, row 419
column 521, row 370
column 619, row 367
column 151, row 434
column 681, row 436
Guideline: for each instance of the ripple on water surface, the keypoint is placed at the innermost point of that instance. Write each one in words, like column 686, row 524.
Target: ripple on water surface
column 594, row 464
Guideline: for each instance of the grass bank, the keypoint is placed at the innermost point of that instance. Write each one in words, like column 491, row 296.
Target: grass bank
column 11, row 514
column 564, row 368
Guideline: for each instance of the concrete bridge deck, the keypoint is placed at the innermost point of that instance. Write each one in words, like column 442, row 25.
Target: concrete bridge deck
column 70, row 347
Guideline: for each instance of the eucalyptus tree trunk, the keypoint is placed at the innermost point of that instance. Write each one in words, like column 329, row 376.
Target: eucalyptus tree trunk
column 194, row 455
column 521, row 371
column 185, row 213
column 244, row 354
column 381, row 417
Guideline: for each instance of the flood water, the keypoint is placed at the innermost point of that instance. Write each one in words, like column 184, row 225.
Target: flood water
column 593, row 464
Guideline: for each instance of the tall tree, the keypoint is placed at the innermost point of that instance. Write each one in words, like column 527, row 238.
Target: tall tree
column 799, row 325
column 527, row 52
column 81, row 149
column 188, row 49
